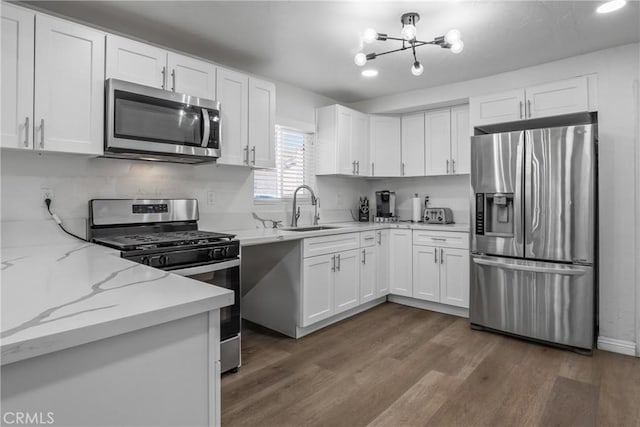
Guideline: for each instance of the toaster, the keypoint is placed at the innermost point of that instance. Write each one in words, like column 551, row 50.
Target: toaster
column 437, row 216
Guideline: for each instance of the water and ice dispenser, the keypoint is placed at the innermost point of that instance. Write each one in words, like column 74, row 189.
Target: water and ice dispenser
column 495, row 214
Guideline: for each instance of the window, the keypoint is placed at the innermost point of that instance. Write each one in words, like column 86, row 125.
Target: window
column 295, row 165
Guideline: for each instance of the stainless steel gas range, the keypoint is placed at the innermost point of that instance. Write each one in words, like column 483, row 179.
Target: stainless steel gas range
column 163, row 233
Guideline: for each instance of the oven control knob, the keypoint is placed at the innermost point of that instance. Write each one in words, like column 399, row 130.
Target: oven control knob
column 163, row 260
column 216, row 253
column 144, row 260
column 231, row 252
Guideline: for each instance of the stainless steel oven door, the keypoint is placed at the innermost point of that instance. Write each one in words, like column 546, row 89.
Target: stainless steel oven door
column 540, row 300
column 141, row 119
column 226, row 275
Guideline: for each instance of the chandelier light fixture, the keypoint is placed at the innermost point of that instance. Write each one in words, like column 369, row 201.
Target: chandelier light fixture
column 409, row 20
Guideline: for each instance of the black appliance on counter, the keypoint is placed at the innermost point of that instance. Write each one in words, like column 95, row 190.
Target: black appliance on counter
column 363, row 209
column 163, row 233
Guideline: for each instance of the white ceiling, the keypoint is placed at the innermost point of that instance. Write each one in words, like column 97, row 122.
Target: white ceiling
column 311, row 44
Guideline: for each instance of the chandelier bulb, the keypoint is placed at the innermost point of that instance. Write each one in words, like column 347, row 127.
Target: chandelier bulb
column 369, row 35
column 417, row 69
column 457, row 46
column 360, row 59
column 409, row 32
column 452, row 36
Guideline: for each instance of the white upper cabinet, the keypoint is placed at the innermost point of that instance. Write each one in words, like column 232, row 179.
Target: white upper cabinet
column 262, row 123
column 232, row 90
column 342, row 143
column 191, row 76
column 149, row 65
column 136, row 62
column 16, row 89
column 545, row 100
column 384, row 137
column 413, row 157
column 438, row 142
column 557, row 98
column 498, row 107
column 69, row 87
column 460, row 140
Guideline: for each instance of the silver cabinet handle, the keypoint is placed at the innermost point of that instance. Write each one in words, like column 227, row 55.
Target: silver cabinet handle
column 372, row 169
column 164, row 76
column 333, row 263
column 364, row 256
column 26, row 132
column 358, row 167
column 173, row 80
column 453, row 166
column 435, row 255
column 368, row 238
column 246, row 154
column 353, row 167
column 338, row 262
column 41, row 133
column 441, row 256
column 440, row 239
column 379, row 237
column 253, row 153
column 520, row 109
column 529, row 105
column 447, row 165
column 402, row 169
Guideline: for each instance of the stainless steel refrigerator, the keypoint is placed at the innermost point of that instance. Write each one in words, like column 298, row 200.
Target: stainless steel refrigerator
column 534, row 219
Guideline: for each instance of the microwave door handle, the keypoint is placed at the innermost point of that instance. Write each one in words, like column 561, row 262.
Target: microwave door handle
column 207, row 127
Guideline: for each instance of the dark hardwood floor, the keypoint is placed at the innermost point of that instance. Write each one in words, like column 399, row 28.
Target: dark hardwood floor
column 395, row 365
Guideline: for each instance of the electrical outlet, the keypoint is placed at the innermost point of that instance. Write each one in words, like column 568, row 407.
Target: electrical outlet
column 211, row 197
column 45, row 193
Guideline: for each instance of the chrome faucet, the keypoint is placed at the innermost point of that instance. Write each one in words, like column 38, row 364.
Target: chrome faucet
column 296, row 212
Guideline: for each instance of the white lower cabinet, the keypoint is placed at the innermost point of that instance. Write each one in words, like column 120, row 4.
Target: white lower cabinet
column 346, row 281
column 368, row 273
column 382, row 263
column 454, row 277
column 426, row 273
column 317, row 289
column 400, row 262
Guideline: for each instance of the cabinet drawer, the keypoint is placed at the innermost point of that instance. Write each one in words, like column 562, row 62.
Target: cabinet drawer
column 327, row 244
column 367, row 238
column 445, row 239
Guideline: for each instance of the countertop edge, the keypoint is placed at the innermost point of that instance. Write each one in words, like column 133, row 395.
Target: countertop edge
column 18, row 351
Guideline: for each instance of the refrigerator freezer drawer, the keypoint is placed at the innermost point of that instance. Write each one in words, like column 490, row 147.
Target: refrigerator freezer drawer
column 539, row 300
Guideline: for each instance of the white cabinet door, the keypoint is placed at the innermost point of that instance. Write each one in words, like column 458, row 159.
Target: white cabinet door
column 426, row 273
column 360, row 142
column 346, row 281
column 368, row 274
column 454, row 277
column 382, row 263
column 552, row 99
column 413, row 159
column 191, row 76
column 460, row 140
column 344, row 134
column 232, row 90
column 262, row 123
column 400, row 262
column 497, row 108
column 384, row 134
column 136, row 62
column 438, row 141
column 69, row 87
column 17, row 77
column 317, row 289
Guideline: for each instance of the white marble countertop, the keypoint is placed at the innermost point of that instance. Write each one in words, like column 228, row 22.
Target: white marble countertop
column 57, row 297
column 259, row 236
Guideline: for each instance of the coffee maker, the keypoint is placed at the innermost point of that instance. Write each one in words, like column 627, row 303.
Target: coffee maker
column 385, row 206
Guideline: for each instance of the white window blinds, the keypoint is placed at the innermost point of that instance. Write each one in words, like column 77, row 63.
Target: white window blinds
column 295, row 165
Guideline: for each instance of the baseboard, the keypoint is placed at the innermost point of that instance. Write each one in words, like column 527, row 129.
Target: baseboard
column 428, row 305
column 617, row 346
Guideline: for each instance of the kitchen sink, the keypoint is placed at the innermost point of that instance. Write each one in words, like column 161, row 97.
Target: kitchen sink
column 310, row 228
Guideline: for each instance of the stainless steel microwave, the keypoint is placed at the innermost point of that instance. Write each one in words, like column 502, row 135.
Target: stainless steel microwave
column 152, row 124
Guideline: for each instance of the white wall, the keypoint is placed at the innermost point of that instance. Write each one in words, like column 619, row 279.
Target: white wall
column 617, row 70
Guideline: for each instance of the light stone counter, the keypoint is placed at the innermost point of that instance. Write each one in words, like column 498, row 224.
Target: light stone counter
column 61, row 296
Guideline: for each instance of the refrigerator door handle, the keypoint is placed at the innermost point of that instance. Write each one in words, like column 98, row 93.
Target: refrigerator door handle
column 530, row 266
column 517, row 199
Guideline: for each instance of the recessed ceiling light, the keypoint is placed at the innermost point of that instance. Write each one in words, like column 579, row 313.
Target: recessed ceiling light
column 370, row 73
column 610, row 6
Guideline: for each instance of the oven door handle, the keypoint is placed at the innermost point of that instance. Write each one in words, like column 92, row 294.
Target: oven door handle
column 189, row 271
column 207, row 127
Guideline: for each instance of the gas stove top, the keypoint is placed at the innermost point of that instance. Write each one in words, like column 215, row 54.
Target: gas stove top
column 169, row 239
